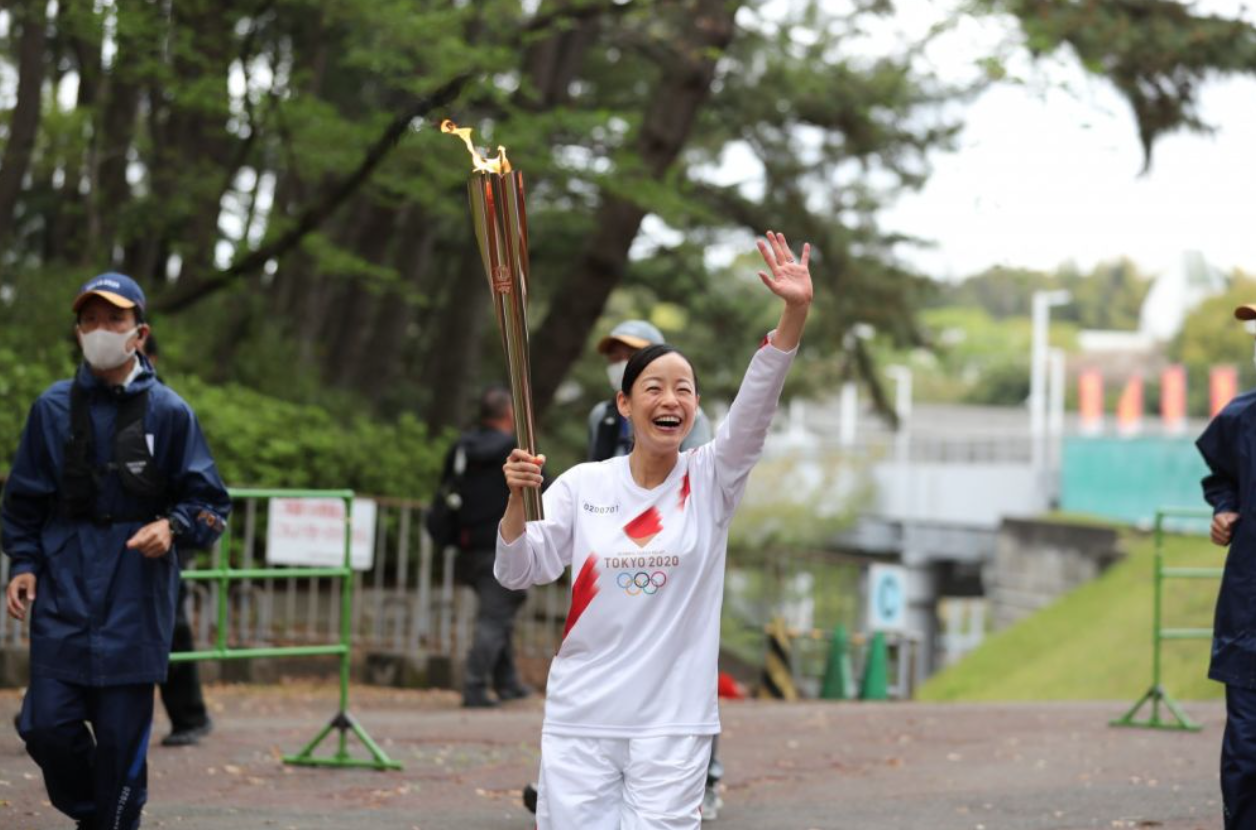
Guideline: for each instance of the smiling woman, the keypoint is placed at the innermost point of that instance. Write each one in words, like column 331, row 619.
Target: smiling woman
column 659, row 397
column 631, row 711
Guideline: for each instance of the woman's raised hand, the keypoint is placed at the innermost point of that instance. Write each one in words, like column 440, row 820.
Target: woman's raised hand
column 523, row 470
column 790, row 279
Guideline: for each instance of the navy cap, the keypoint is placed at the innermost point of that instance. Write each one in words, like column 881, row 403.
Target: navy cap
column 635, row 333
column 117, row 289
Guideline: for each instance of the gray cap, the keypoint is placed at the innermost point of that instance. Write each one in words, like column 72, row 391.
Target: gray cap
column 635, row 333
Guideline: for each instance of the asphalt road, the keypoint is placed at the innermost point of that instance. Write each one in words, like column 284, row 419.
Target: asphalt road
column 847, row 766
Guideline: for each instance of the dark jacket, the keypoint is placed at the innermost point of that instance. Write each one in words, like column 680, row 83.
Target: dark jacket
column 483, row 488
column 1228, row 446
column 104, row 614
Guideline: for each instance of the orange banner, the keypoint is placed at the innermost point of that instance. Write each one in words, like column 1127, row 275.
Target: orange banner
column 1090, row 401
column 1223, row 385
column 1129, row 409
column 1173, row 399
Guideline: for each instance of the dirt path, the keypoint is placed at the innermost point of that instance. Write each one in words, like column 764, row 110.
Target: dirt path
column 789, row 767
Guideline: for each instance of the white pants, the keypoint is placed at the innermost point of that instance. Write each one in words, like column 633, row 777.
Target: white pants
column 622, row 783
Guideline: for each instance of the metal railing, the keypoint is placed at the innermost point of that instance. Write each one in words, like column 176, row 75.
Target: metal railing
column 407, row 603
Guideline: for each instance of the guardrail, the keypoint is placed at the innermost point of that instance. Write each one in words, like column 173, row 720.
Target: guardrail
column 407, row 603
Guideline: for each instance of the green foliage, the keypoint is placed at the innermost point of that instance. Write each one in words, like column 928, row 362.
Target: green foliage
column 358, row 317
column 979, row 330
column 1109, row 296
column 21, row 382
column 761, row 582
column 259, row 441
column 1095, row 643
column 797, row 502
column 976, row 358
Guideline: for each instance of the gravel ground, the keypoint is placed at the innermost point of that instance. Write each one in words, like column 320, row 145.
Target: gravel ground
column 846, row 766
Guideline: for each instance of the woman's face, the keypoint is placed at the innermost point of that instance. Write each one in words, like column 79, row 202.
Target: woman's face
column 663, row 404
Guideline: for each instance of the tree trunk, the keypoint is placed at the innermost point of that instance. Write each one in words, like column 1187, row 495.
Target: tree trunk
column 454, row 349
column 387, row 350
column 24, row 124
column 554, row 62
column 348, row 331
column 684, row 85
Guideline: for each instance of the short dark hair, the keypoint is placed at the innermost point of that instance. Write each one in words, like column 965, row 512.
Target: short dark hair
column 150, row 346
column 644, row 357
column 495, row 402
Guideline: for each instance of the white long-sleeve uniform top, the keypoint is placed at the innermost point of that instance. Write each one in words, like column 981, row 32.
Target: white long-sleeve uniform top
column 640, row 648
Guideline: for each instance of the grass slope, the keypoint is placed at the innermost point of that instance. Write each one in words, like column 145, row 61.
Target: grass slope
column 1095, row 643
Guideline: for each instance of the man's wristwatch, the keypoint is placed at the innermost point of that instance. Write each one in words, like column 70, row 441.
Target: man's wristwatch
column 177, row 527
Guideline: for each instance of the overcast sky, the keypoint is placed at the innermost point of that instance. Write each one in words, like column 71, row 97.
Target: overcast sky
column 1048, row 171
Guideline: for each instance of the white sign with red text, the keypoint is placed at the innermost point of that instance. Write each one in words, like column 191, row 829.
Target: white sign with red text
column 311, row 533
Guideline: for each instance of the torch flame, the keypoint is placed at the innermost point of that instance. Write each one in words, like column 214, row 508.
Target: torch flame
column 499, row 164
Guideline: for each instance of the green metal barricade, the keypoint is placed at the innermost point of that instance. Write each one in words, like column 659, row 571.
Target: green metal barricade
column 1156, row 697
column 224, row 575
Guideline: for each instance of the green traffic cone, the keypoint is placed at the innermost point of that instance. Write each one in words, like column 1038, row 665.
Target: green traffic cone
column 876, row 670
column 838, row 677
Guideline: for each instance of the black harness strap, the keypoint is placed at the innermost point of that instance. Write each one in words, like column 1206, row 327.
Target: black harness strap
column 606, row 439
column 81, row 477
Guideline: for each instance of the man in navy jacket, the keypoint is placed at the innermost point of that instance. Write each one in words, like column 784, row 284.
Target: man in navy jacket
column 1228, row 446
column 111, row 475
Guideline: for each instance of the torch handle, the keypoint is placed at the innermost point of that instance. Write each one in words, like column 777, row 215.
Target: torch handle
column 516, row 338
column 501, row 229
column 532, row 511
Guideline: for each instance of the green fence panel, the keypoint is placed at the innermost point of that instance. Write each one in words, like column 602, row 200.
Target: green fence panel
column 1156, row 697
column 224, row 575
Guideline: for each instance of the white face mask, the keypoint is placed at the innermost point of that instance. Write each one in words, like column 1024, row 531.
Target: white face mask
column 105, row 349
column 615, row 372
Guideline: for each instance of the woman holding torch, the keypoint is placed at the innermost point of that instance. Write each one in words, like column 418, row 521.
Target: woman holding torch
column 631, row 706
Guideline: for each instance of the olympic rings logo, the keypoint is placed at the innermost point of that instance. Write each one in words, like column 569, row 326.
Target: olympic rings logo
column 641, row 582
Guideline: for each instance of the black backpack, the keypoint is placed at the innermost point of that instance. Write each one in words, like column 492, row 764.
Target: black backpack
column 443, row 514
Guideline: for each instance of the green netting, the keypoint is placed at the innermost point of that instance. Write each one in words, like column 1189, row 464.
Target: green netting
column 1129, row 479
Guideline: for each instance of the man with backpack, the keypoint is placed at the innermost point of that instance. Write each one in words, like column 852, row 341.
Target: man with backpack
column 465, row 513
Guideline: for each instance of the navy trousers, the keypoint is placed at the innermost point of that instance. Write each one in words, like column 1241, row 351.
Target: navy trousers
column 1238, row 759
column 181, row 693
column 98, row 777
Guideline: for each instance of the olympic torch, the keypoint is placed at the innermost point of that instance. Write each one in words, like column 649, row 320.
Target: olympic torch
column 501, row 230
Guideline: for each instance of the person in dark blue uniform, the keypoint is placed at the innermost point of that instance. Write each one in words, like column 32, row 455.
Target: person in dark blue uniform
column 1228, row 446
column 111, row 476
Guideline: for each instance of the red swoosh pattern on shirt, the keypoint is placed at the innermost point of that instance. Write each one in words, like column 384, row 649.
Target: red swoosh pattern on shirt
column 684, row 491
column 582, row 592
column 645, row 527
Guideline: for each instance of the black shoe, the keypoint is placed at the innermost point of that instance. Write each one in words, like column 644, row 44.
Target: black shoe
column 529, row 798
column 515, row 692
column 477, row 699
column 188, row 737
